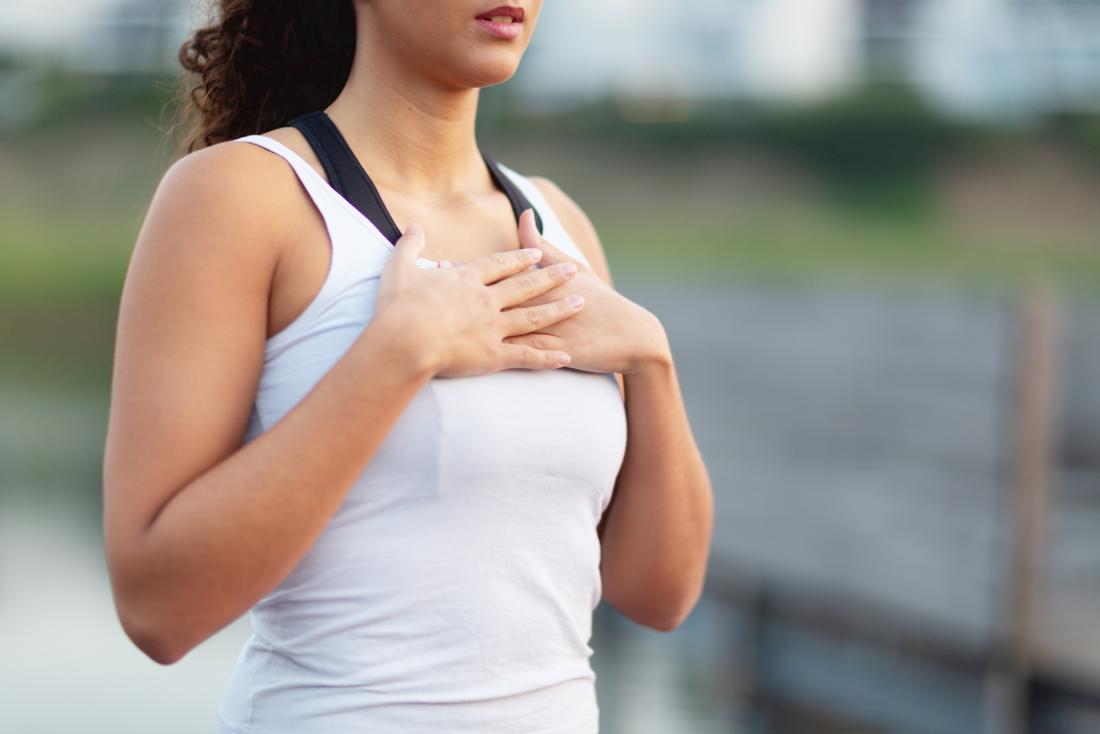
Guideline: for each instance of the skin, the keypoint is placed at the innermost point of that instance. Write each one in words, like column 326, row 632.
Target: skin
column 198, row 526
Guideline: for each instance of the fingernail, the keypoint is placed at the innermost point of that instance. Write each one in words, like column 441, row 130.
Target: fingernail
column 575, row 300
column 563, row 359
column 533, row 253
column 568, row 268
column 415, row 229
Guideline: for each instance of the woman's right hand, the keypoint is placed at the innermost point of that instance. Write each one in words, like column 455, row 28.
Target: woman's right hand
column 461, row 315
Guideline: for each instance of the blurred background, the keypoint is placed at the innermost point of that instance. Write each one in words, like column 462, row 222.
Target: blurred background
column 872, row 231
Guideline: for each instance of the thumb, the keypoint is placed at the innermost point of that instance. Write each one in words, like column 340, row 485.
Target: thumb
column 529, row 237
column 411, row 244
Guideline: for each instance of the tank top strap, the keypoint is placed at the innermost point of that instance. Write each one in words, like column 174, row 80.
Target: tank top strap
column 349, row 179
column 553, row 230
column 345, row 174
column 316, row 186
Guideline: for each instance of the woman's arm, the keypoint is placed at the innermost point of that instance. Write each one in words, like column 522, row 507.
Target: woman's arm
column 655, row 534
column 197, row 527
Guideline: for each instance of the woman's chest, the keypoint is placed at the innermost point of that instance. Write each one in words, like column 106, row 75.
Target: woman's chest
column 456, row 435
column 506, row 433
column 473, row 226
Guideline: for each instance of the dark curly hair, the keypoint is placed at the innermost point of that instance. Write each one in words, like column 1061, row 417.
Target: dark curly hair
column 259, row 63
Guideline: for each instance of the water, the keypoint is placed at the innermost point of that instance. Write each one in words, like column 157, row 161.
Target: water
column 67, row 666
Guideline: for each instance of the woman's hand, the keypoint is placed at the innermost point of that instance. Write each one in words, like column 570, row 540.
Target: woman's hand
column 610, row 334
column 465, row 315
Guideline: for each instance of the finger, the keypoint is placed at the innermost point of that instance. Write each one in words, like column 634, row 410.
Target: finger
column 497, row 265
column 529, row 236
column 525, row 357
column 537, row 340
column 410, row 244
column 528, row 284
column 532, row 318
column 552, row 255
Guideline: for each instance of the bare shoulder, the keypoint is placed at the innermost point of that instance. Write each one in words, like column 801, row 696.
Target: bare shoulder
column 230, row 205
column 226, row 189
column 208, row 249
column 209, row 245
column 238, row 179
column 577, row 224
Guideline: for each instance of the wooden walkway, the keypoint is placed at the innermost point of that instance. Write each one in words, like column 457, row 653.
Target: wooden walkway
column 866, row 454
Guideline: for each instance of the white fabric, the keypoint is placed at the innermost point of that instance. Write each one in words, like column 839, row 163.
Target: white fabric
column 453, row 590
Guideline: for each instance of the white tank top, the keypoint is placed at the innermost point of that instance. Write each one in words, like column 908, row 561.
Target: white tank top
column 453, row 589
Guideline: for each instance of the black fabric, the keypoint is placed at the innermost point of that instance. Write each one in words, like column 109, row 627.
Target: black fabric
column 347, row 175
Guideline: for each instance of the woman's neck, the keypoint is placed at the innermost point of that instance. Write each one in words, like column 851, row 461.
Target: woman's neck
column 416, row 135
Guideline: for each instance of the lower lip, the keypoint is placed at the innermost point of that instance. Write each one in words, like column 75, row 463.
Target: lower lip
column 507, row 31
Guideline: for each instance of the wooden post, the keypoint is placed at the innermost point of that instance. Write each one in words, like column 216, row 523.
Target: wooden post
column 759, row 695
column 1033, row 440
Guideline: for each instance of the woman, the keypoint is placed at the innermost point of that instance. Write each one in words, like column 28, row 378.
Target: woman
column 370, row 442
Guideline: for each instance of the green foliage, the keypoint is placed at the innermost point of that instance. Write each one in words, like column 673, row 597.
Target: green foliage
column 869, row 137
column 874, row 147
column 70, row 99
column 8, row 61
column 1079, row 129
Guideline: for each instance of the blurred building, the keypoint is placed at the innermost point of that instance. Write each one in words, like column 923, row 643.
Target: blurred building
column 135, row 36
column 695, row 49
column 98, row 36
column 91, row 37
column 889, row 29
column 989, row 59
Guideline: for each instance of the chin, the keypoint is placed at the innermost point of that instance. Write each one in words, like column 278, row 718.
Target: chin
column 492, row 76
column 486, row 70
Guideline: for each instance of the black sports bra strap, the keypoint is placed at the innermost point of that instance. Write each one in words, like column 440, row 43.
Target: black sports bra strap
column 307, row 128
column 348, row 177
column 515, row 196
column 344, row 170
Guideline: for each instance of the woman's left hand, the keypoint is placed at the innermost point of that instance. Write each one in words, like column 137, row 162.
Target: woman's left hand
column 611, row 333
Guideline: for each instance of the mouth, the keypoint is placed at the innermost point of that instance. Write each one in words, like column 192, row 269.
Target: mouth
column 503, row 22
